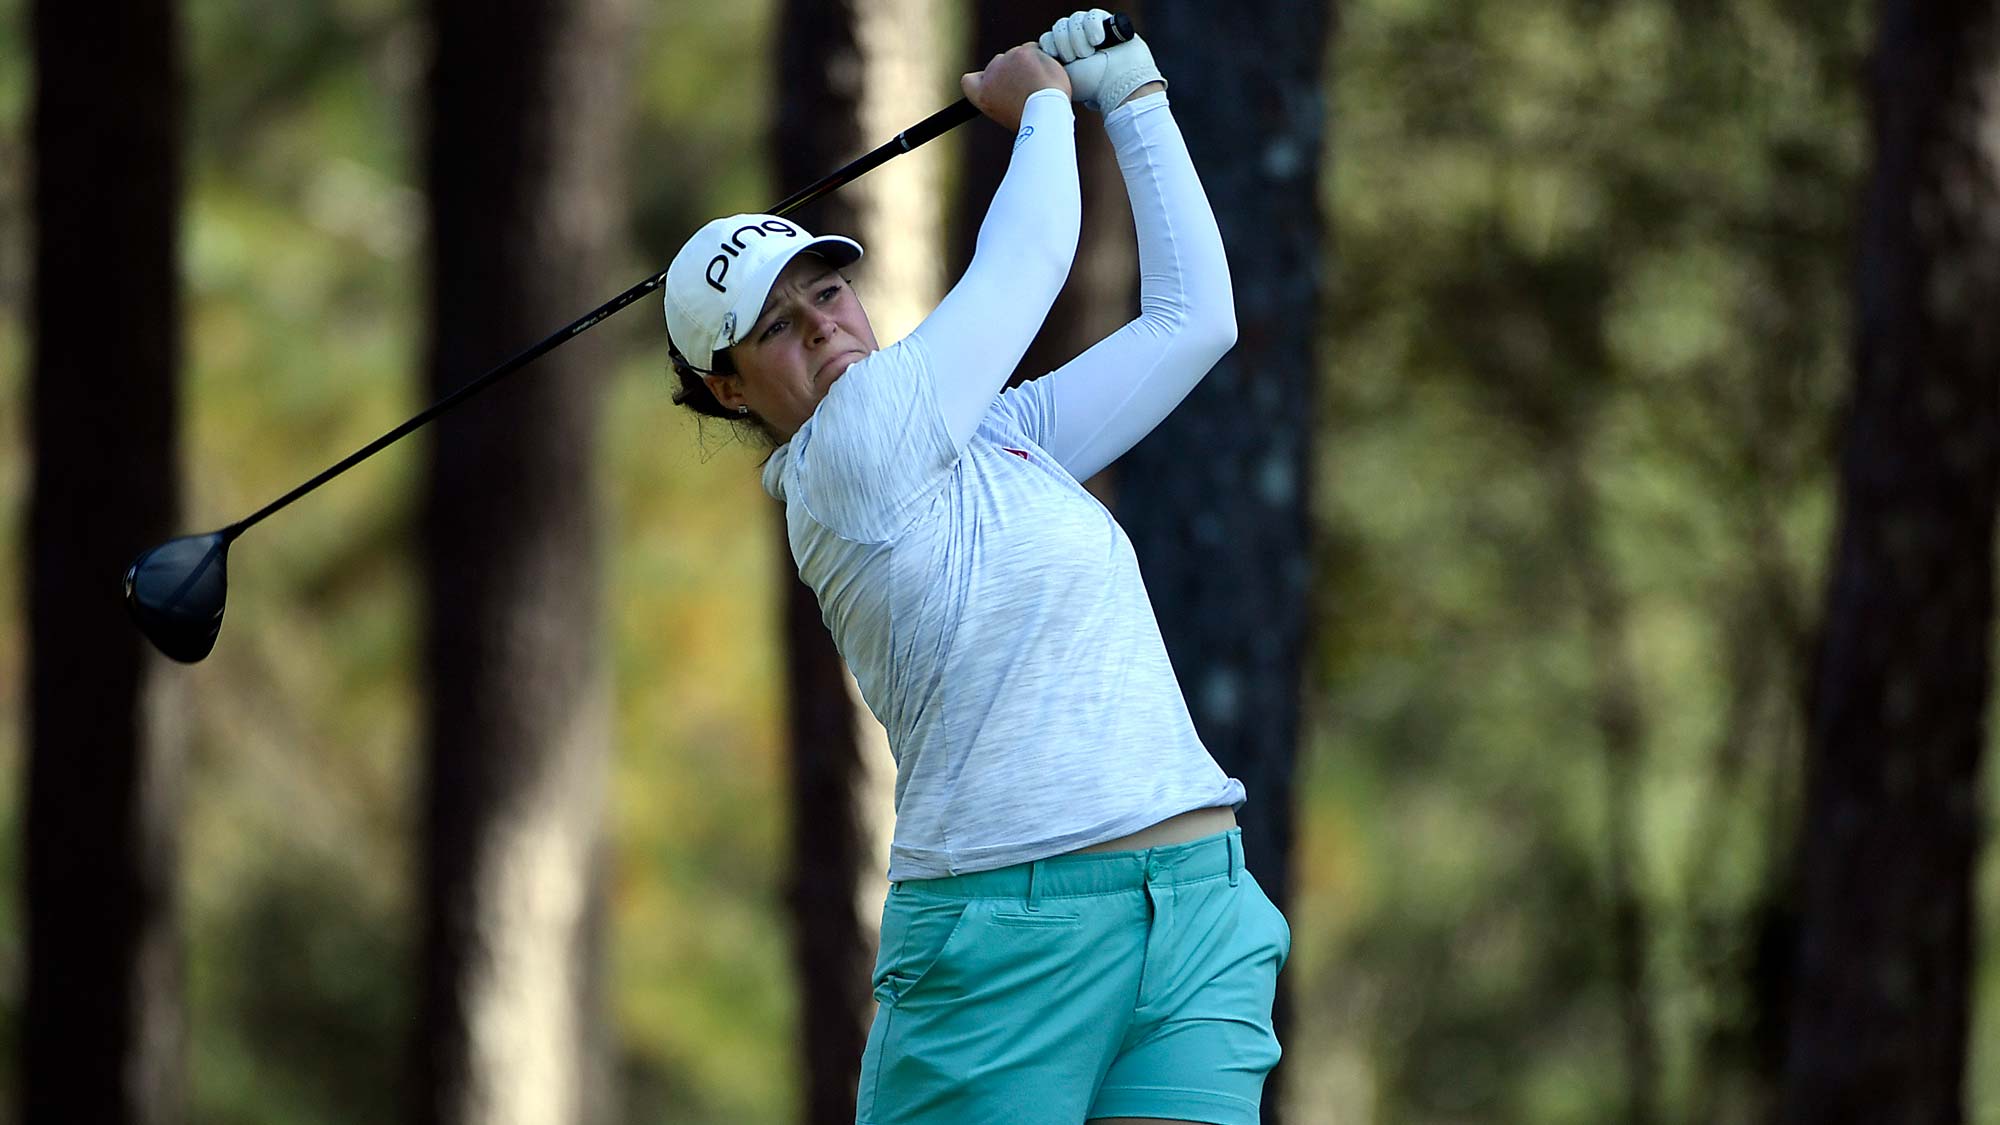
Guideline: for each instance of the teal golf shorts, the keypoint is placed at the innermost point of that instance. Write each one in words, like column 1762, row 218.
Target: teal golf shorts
column 1114, row 984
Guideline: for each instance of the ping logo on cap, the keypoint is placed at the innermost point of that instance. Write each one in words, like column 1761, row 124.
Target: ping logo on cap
column 718, row 266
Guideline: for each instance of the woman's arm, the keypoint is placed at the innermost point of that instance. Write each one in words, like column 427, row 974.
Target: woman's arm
column 1106, row 399
column 888, row 429
column 1026, row 244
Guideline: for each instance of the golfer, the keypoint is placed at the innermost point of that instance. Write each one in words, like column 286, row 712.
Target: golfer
column 1070, row 933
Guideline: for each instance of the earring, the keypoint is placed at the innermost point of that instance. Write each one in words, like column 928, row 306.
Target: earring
column 742, row 410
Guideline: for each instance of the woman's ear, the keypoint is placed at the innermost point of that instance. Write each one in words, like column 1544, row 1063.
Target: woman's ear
column 727, row 389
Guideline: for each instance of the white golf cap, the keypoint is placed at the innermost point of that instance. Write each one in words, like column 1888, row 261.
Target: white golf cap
column 717, row 283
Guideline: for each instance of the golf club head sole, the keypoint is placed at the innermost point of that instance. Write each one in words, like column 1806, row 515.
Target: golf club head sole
column 175, row 592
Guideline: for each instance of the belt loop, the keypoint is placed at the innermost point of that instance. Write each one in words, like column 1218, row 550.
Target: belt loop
column 1034, row 902
column 1234, row 837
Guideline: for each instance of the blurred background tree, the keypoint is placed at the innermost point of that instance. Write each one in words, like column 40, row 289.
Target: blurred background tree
column 1898, row 724
column 524, row 158
column 1216, row 499
column 1578, row 388
column 102, row 988
column 818, row 128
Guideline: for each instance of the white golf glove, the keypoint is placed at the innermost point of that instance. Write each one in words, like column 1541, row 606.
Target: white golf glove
column 1100, row 77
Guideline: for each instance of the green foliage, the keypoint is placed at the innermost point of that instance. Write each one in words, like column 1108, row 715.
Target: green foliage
column 703, row 91
column 303, row 274
column 307, row 1020
column 1586, row 361
column 700, row 978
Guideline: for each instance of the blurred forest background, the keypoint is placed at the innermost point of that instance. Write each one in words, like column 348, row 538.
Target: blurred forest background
column 1586, row 339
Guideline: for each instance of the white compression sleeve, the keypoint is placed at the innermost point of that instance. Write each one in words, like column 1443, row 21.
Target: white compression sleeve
column 1026, row 244
column 1112, row 395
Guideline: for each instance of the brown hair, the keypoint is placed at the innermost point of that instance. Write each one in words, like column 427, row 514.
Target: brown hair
column 694, row 393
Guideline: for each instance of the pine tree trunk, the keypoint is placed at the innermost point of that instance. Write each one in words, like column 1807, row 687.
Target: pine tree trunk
column 1898, row 722
column 818, row 129
column 102, row 1029
column 1216, row 500
column 525, row 180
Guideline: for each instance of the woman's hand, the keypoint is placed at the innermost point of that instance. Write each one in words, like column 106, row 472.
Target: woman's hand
column 1001, row 90
column 1103, row 76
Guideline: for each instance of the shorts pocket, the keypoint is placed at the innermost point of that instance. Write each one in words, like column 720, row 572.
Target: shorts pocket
column 915, row 934
column 1037, row 920
column 1282, row 926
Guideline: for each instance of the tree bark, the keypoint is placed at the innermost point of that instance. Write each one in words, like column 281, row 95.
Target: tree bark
column 102, row 1029
column 818, row 129
column 1898, row 719
column 1216, row 500
column 525, row 181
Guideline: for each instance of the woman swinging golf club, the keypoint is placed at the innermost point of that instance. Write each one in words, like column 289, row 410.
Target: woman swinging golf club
column 1070, row 933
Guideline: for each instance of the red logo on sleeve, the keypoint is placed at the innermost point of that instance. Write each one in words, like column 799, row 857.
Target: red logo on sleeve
column 1021, row 453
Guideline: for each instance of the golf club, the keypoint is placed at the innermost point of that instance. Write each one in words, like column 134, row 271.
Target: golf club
column 176, row 589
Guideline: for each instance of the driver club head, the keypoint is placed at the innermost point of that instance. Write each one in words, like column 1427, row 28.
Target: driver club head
column 175, row 593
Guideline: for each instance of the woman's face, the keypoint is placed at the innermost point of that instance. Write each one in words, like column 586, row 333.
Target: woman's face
column 811, row 331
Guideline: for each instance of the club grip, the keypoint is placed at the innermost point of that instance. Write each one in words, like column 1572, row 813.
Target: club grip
column 1118, row 28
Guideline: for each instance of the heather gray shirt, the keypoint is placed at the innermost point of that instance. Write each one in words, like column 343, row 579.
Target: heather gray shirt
column 991, row 609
